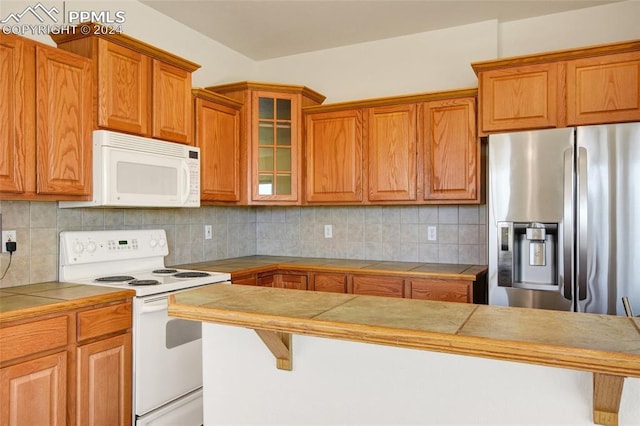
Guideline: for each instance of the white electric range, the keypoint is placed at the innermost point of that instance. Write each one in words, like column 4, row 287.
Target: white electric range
column 167, row 352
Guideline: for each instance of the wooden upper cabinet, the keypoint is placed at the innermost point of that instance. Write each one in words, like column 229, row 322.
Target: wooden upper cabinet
column 451, row 150
column 45, row 139
column 525, row 97
column 589, row 85
column 15, row 110
column 391, row 152
column 172, row 110
column 391, row 158
column 603, row 89
column 64, row 123
column 141, row 89
column 270, row 139
column 333, row 157
column 411, row 149
column 217, row 134
column 123, row 89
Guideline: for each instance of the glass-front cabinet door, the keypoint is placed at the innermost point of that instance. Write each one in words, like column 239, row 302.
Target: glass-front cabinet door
column 275, row 146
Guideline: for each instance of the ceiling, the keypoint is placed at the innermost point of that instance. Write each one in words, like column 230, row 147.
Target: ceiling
column 273, row 28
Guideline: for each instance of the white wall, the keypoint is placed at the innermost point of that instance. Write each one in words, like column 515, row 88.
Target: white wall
column 584, row 27
column 339, row 382
column 425, row 62
column 219, row 64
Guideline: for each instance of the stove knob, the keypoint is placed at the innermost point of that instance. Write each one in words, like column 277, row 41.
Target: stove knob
column 153, row 243
column 162, row 242
column 78, row 247
column 91, row 247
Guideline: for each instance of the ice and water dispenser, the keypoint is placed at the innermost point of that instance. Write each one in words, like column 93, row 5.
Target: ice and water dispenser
column 528, row 255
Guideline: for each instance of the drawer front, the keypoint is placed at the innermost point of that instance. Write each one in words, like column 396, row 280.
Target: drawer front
column 33, row 337
column 378, row 286
column 334, row 283
column 101, row 321
column 442, row 290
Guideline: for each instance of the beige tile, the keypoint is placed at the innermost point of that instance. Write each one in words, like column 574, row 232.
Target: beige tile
column 18, row 273
column 18, row 301
column 114, row 218
column 43, row 214
column 34, row 289
column 15, row 214
column 44, row 241
column 69, row 219
column 568, row 329
column 93, row 218
column 43, row 268
column 422, row 315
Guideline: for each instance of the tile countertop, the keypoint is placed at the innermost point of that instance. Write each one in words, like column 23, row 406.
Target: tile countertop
column 32, row 300
column 254, row 264
column 589, row 342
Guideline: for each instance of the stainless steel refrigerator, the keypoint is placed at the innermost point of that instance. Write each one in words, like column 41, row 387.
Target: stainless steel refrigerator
column 564, row 218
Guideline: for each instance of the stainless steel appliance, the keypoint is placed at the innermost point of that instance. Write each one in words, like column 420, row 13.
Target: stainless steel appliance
column 167, row 352
column 132, row 171
column 564, row 218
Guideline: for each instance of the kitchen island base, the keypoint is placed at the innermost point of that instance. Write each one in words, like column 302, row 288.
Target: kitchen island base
column 341, row 382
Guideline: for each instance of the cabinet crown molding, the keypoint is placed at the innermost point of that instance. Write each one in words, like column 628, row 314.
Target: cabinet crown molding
column 557, row 55
column 208, row 95
column 394, row 100
column 128, row 42
column 268, row 87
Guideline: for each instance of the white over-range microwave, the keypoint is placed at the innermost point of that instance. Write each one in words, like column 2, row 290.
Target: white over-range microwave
column 133, row 171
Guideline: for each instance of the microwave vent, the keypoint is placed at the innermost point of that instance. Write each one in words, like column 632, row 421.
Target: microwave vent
column 137, row 143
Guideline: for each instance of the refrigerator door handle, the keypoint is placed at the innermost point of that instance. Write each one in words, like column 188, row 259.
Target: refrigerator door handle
column 568, row 224
column 581, row 225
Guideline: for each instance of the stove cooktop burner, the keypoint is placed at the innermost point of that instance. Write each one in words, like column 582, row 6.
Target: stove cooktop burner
column 164, row 271
column 115, row 278
column 192, row 274
column 144, row 282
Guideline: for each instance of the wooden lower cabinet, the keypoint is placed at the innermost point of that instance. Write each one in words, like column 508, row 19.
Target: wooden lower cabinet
column 70, row 368
column 104, row 381
column 332, row 283
column 376, row 285
column 35, row 392
column 442, row 290
column 250, row 279
column 371, row 284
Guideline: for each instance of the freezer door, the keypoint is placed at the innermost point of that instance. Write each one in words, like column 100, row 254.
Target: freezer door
column 526, row 171
column 531, row 180
column 608, row 217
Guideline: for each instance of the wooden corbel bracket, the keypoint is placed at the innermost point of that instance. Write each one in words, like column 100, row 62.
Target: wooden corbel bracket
column 280, row 346
column 607, row 392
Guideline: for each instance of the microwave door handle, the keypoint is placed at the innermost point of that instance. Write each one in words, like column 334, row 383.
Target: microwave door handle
column 187, row 179
column 568, row 224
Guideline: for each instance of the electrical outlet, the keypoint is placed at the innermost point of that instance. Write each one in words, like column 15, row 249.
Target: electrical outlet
column 432, row 233
column 328, row 231
column 7, row 236
column 208, row 232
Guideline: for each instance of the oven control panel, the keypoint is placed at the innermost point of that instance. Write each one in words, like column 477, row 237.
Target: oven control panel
column 102, row 246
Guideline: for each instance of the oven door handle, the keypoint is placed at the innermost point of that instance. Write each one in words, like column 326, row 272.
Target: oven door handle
column 155, row 305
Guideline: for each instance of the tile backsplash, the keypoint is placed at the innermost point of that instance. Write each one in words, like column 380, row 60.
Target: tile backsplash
column 382, row 233
column 376, row 233
column 39, row 223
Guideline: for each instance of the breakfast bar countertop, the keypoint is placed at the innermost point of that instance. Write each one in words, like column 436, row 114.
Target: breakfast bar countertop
column 608, row 346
